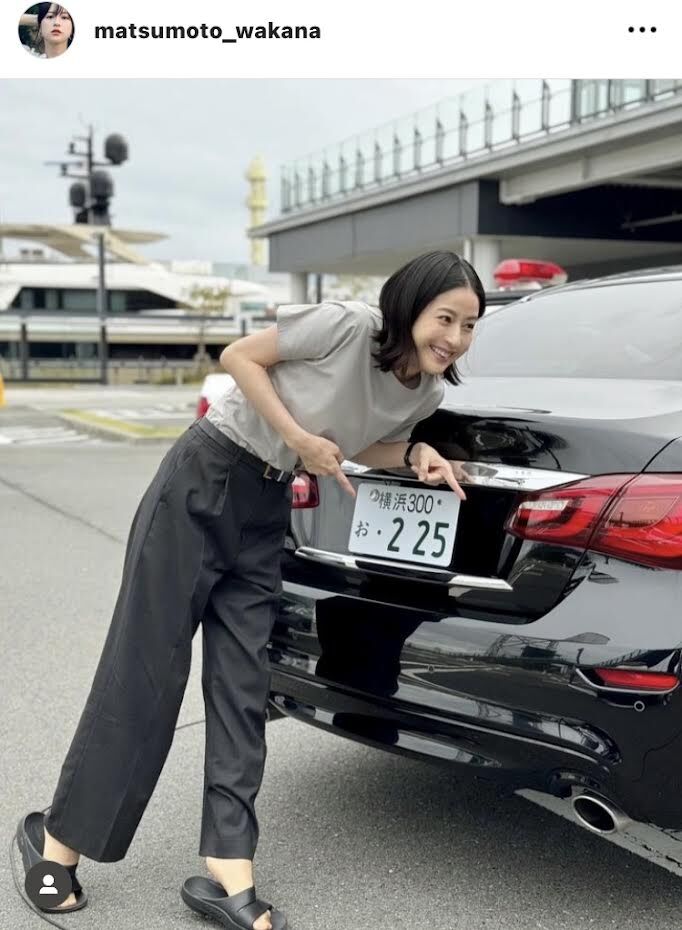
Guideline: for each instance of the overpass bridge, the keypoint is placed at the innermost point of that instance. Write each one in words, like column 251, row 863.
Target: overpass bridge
column 584, row 173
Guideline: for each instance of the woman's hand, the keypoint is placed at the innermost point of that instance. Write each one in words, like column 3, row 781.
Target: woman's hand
column 432, row 468
column 321, row 456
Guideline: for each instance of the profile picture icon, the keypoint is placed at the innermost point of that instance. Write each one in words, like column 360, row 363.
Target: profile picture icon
column 48, row 885
column 46, row 30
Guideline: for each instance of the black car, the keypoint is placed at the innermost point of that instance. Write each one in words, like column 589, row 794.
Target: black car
column 532, row 634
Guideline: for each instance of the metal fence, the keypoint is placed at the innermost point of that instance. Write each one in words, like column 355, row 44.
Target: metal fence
column 480, row 122
column 74, row 370
column 83, row 345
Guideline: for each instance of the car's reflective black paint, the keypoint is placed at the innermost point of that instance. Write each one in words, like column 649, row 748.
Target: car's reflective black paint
column 488, row 682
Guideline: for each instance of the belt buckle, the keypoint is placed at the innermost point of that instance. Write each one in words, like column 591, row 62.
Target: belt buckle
column 268, row 469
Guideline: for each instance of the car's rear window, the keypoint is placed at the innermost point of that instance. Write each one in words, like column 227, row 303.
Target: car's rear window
column 629, row 330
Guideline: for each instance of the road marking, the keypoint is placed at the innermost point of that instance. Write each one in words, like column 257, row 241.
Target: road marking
column 44, row 435
column 157, row 412
column 103, row 421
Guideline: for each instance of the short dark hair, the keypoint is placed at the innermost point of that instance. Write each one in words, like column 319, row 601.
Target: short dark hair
column 406, row 293
column 43, row 10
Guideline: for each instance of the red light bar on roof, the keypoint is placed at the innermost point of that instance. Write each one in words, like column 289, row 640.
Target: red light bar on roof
column 514, row 272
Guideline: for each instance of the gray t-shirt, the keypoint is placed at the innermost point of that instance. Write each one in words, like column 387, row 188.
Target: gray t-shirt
column 329, row 383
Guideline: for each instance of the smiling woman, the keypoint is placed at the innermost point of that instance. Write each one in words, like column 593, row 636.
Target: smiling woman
column 46, row 30
column 205, row 547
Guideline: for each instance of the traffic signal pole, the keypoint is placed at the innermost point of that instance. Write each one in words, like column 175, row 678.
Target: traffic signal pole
column 102, row 311
column 90, row 197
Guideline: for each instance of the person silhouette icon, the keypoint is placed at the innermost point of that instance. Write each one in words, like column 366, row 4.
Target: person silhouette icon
column 48, row 883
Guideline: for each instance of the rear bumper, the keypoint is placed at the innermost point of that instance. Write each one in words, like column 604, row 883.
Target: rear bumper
column 497, row 701
column 478, row 751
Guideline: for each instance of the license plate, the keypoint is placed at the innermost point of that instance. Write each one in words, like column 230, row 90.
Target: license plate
column 404, row 524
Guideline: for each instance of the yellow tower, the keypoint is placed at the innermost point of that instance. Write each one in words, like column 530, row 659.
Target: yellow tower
column 257, row 202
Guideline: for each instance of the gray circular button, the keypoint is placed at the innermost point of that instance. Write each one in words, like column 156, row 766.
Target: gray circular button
column 48, row 884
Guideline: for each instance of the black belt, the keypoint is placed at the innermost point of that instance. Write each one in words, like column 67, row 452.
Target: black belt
column 243, row 455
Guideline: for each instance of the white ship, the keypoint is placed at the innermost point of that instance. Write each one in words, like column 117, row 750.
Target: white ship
column 52, row 289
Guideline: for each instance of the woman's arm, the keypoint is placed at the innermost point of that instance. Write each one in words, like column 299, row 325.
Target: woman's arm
column 383, row 455
column 28, row 19
column 247, row 360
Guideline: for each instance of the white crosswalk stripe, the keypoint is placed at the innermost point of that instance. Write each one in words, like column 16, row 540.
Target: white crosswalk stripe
column 157, row 412
column 44, row 435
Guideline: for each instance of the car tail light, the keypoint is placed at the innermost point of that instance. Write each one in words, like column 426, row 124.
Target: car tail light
column 514, row 272
column 566, row 516
column 306, row 492
column 635, row 679
column 633, row 517
column 202, row 406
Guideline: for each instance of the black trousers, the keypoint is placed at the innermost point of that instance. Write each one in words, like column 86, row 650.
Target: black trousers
column 204, row 546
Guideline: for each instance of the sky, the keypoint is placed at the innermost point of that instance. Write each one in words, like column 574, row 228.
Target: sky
column 190, row 143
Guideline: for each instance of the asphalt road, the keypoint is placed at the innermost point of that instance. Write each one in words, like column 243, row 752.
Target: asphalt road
column 350, row 837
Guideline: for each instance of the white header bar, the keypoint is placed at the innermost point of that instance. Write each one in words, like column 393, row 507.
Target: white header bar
column 354, row 39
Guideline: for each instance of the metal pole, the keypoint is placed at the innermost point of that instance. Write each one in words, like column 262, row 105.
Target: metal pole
column 318, row 288
column 576, row 101
column 102, row 311
column 89, row 161
column 23, row 349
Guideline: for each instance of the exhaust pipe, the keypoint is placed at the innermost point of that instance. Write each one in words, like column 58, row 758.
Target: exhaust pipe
column 599, row 815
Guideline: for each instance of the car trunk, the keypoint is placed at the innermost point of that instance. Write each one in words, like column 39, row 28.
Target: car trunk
column 548, row 432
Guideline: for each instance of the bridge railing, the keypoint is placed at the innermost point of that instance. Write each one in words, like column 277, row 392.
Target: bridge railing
column 479, row 122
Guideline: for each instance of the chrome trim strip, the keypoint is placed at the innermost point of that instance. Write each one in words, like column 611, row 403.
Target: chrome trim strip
column 635, row 692
column 353, row 468
column 484, row 474
column 408, row 571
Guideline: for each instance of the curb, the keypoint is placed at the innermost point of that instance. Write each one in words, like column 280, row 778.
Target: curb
column 118, row 429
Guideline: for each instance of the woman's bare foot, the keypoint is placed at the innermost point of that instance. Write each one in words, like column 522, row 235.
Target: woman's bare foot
column 64, row 855
column 236, row 875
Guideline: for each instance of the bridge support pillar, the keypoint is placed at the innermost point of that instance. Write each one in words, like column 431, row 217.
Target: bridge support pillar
column 485, row 255
column 298, row 286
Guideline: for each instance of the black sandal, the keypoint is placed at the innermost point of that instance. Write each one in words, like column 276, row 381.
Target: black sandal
column 236, row 912
column 31, row 839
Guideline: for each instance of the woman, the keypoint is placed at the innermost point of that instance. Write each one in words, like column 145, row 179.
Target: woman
column 326, row 383
column 53, row 28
